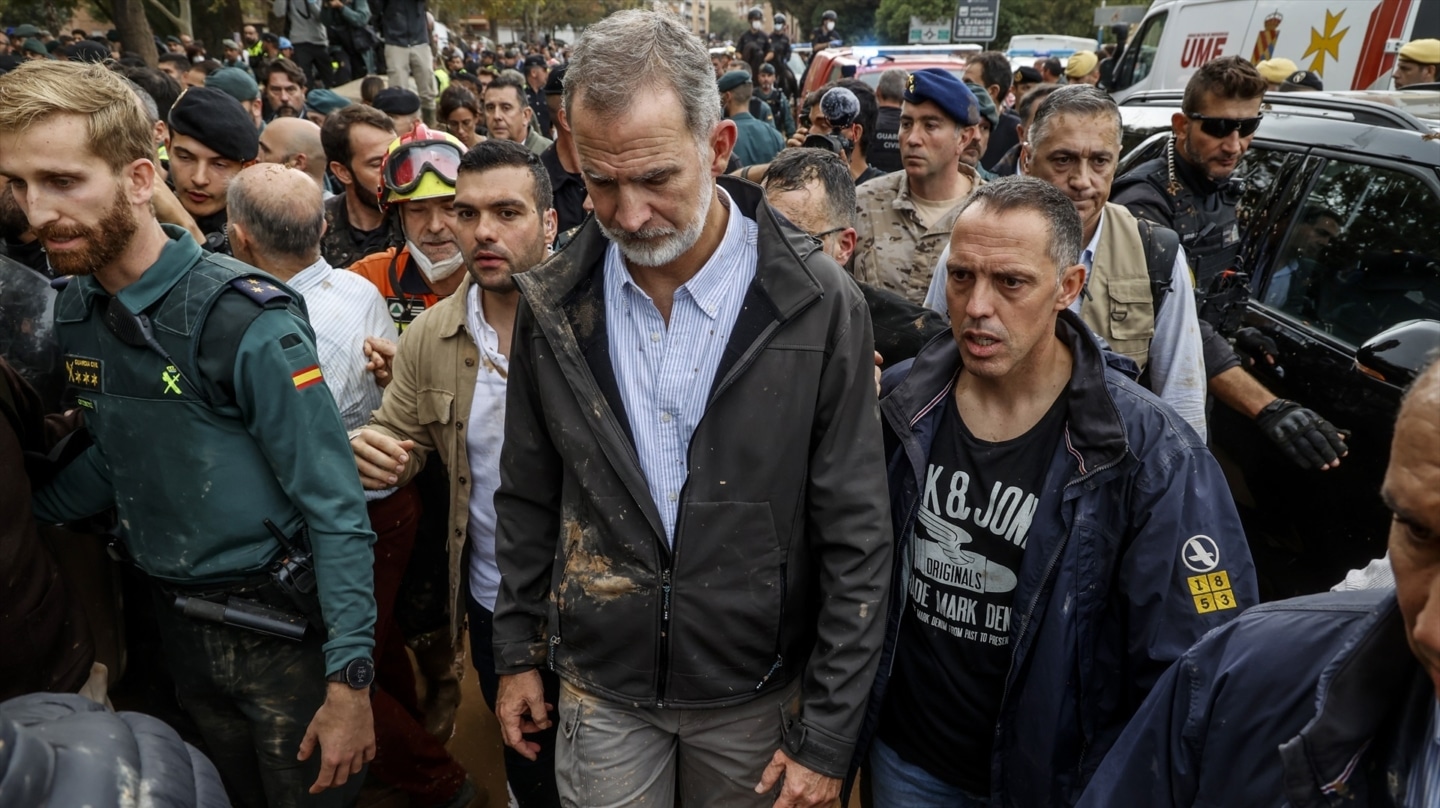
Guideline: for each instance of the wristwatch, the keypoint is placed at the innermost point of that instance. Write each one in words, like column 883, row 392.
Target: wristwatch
column 359, row 674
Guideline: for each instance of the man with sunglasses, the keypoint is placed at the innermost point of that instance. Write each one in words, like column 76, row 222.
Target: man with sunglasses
column 1188, row 190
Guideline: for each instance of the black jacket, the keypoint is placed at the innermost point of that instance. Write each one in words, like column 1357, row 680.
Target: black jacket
column 60, row 749
column 402, row 22
column 782, row 541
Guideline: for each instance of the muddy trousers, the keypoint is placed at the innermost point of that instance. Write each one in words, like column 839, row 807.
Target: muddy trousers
column 612, row 754
column 406, row 756
column 252, row 696
column 533, row 781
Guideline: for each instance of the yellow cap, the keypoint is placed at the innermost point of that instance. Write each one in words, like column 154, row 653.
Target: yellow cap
column 1276, row 71
column 1424, row 51
column 1080, row 64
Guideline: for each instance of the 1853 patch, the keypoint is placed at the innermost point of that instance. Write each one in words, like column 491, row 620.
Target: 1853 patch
column 83, row 372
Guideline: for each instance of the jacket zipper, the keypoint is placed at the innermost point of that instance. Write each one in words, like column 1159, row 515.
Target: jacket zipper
column 779, row 631
column 667, row 573
column 1035, row 599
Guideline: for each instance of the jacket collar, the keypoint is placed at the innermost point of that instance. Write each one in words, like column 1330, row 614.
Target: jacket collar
column 178, row 255
column 1094, row 431
column 450, row 312
column 1374, row 691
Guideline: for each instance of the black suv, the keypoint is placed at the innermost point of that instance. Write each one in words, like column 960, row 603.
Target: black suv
column 1340, row 221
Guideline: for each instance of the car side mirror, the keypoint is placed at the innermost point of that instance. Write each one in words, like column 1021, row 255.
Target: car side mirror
column 1398, row 354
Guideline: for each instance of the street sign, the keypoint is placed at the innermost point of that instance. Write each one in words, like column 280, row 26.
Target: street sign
column 935, row 32
column 975, row 20
column 1106, row 16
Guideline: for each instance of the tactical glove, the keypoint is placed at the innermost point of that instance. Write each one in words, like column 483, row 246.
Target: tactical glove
column 1305, row 437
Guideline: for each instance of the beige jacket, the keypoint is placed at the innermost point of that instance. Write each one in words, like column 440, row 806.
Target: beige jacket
column 895, row 251
column 428, row 401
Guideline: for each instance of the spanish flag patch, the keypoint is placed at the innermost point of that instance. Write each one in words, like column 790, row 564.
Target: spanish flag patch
column 306, row 377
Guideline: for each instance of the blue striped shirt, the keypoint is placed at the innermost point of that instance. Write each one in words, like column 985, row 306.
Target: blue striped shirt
column 665, row 374
column 1424, row 786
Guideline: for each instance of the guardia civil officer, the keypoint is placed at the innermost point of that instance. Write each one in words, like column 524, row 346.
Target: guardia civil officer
column 215, row 439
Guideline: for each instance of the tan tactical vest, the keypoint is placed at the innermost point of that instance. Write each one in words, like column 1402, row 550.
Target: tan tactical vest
column 1120, row 307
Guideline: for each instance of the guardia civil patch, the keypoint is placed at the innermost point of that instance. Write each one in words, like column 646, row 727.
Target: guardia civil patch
column 83, row 372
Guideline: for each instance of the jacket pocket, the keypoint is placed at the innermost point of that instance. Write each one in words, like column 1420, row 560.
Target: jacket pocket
column 1132, row 314
column 434, row 406
column 728, row 601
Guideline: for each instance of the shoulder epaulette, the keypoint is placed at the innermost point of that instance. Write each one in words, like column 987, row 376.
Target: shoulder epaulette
column 260, row 290
column 60, row 282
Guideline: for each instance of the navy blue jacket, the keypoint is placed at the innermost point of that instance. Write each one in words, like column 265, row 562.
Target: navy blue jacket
column 1314, row 701
column 1105, row 599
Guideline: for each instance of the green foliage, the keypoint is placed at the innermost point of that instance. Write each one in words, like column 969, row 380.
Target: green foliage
column 52, row 15
column 726, row 24
column 1072, row 17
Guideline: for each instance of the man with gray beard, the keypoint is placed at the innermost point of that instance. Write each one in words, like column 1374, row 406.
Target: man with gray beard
column 692, row 528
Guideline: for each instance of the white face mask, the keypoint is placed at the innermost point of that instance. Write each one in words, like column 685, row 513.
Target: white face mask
column 779, row 27
column 829, row 25
column 433, row 271
column 757, row 25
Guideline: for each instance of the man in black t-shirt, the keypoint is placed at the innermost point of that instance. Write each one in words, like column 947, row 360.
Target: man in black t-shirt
column 1065, row 534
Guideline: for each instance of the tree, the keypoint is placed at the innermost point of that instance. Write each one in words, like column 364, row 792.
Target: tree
column 892, row 18
column 52, row 15
column 726, row 24
column 1072, row 17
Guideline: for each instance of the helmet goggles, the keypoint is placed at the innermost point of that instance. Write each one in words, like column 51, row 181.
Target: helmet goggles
column 405, row 167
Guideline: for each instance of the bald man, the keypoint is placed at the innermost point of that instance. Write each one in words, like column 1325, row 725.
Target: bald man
column 276, row 221
column 294, row 143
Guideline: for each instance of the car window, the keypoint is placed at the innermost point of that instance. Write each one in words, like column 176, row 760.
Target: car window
column 1256, row 174
column 1362, row 255
column 1143, row 57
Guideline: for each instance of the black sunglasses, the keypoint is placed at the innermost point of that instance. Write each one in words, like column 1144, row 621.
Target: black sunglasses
column 1222, row 127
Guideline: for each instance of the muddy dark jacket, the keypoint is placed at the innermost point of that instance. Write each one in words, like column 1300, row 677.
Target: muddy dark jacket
column 1310, row 702
column 1106, row 599
column 782, row 544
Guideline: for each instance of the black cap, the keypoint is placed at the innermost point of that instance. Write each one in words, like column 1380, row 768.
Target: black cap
column 271, row 37
column 767, row 69
column 218, row 121
column 1027, row 75
column 397, row 101
column 173, row 40
column 555, row 84
column 87, row 51
column 1302, row 80
column 829, row 15
column 535, row 60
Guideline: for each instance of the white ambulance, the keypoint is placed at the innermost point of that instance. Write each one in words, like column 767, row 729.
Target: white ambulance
column 1351, row 44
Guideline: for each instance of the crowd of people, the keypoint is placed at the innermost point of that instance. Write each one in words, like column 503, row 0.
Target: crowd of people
column 716, row 419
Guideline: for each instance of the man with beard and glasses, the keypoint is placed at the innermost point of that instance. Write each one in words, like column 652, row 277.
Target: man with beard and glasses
column 356, row 140
column 215, row 439
column 691, row 521
column 460, row 349
column 211, row 140
column 1189, row 190
column 275, row 223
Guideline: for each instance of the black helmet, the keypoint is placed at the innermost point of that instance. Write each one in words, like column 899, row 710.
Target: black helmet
column 829, row 15
column 779, row 19
column 756, row 14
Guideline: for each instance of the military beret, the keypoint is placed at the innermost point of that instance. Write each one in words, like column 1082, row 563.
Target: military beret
column 36, row 46
column 324, row 101
column 397, row 101
column 767, row 69
column 985, row 104
column 230, row 43
column 1276, row 71
column 1081, row 64
column 1028, row 75
column 217, row 121
column 234, row 82
column 733, row 79
column 271, row 37
column 1424, row 51
column 555, row 84
column 172, row 40
column 25, row 30
column 942, row 88
column 1302, row 80
column 88, row 51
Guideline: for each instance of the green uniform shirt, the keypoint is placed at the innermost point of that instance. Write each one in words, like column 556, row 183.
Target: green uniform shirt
column 195, row 463
column 758, row 142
